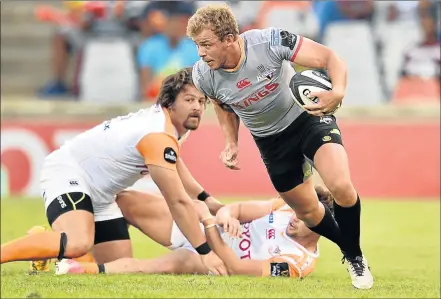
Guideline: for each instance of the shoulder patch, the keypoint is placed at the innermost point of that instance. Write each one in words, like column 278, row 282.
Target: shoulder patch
column 170, row 155
column 279, row 269
column 275, row 37
column 288, row 39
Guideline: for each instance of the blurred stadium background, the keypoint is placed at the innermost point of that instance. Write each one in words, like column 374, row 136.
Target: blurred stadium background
column 67, row 65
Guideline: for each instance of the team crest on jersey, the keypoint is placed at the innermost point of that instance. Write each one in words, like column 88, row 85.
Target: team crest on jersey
column 274, row 250
column 265, row 73
column 170, row 155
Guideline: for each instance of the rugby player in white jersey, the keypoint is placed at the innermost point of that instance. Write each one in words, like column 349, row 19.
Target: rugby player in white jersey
column 80, row 180
column 258, row 238
column 247, row 76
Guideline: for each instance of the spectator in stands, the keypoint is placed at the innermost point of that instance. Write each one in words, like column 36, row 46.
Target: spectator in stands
column 167, row 52
column 84, row 19
column 339, row 10
column 423, row 60
column 402, row 11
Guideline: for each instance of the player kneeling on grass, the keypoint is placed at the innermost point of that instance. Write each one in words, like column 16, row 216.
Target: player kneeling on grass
column 80, row 180
column 258, row 238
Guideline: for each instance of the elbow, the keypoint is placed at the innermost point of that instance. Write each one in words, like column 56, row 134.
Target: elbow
column 177, row 202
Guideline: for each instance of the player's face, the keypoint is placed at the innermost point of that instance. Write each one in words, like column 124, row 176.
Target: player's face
column 211, row 49
column 188, row 108
column 297, row 228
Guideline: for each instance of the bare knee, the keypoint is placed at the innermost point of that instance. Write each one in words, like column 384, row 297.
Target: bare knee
column 343, row 192
column 309, row 213
column 77, row 246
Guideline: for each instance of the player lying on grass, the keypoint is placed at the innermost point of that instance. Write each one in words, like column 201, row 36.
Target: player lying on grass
column 258, row 238
column 80, row 180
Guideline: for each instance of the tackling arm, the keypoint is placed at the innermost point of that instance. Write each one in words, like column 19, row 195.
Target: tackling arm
column 160, row 152
column 193, row 188
column 234, row 265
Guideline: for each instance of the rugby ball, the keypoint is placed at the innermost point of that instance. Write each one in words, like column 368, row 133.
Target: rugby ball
column 305, row 82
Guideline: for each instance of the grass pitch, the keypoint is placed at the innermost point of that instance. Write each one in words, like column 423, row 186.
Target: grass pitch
column 401, row 240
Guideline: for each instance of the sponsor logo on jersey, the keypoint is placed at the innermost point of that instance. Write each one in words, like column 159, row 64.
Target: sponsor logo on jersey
column 244, row 83
column 73, row 183
column 257, row 96
column 170, row 155
column 265, row 73
column 326, row 119
column 245, row 243
column 271, row 217
column 270, row 234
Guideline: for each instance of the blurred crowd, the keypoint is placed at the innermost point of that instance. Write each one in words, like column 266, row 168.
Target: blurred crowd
column 144, row 41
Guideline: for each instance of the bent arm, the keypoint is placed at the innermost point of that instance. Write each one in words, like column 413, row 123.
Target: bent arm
column 246, row 211
column 234, row 265
column 315, row 55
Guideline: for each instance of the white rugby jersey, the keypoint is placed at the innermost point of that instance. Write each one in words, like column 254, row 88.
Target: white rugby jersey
column 265, row 239
column 113, row 155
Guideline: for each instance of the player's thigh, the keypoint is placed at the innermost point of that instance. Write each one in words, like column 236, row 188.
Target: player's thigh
column 324, row 146
column 71, row 213
column 112, row 238
column 147, row 212
column 283, row 159
column 302, row 198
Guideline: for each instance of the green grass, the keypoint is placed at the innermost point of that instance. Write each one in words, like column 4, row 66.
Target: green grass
column 400, row 239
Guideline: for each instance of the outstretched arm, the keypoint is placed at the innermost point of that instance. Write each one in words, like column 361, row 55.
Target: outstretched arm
column 193, row 188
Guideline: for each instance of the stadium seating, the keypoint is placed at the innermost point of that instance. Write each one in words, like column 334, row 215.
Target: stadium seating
column 355, row 44
column 108, row 73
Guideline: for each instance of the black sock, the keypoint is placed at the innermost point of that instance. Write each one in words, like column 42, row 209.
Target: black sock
column 348, row 219
column 101, row 269
column 328, row 227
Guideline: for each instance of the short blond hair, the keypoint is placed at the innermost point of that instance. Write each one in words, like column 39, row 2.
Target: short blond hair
column 217, row 17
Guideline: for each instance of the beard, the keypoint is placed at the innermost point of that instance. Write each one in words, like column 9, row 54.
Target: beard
column 192, row 123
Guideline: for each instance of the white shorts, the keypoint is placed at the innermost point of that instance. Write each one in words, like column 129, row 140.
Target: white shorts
column 61, row 175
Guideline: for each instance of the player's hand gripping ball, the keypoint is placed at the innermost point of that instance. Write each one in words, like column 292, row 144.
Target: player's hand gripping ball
column 312, row 90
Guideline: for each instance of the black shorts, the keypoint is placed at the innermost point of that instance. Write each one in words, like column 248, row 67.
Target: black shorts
column 284, row 154
column 114, row 229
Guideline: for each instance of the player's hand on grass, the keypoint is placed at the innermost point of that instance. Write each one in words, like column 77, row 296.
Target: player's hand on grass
column 230, row 225
column 214, row 264
column 328, row 102
column 229, row 156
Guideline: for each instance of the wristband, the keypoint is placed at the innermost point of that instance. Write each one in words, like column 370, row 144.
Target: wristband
column 210, row 225
column 203, row 249
column 203, row 196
